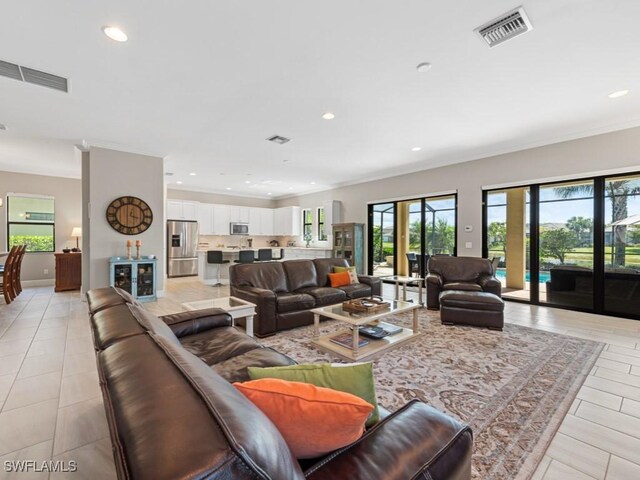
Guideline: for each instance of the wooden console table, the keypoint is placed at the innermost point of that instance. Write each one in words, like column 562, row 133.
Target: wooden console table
column 68, row 271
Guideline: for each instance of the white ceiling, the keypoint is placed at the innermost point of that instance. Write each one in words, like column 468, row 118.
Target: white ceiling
column 204, row 83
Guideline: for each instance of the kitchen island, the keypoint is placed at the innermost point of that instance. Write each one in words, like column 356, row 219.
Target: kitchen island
column 208, row 274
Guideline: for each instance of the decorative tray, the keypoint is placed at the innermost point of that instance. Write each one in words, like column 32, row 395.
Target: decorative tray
column 365, row 305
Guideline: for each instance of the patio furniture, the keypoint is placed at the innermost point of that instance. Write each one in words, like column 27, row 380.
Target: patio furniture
column 414, row 263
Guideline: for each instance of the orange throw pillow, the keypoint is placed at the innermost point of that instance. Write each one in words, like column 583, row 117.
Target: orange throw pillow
column 314, row 421
column 340, row 279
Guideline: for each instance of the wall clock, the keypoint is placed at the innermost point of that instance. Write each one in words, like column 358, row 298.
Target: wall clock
column 129, row 215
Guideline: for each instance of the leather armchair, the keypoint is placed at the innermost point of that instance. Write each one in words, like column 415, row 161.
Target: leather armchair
column 470, row 274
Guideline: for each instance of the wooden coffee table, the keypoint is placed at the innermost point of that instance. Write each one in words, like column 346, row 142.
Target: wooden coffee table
column 355, row 320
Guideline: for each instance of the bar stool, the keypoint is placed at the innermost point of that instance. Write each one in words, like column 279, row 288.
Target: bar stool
column 214, row 257
column 245, row 256
column 265, row 254
column 281, row 257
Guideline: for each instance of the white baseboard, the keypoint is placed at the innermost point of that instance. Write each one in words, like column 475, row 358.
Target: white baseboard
column 38, row 283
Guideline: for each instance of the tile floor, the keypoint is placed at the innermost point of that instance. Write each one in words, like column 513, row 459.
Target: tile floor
column 51, row 406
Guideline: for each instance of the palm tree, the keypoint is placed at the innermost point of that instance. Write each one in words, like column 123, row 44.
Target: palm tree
column 618, row 192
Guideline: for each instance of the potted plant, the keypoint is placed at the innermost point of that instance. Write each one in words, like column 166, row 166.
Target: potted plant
column 307, row 238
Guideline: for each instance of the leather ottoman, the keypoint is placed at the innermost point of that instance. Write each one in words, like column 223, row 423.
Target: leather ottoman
column 479, row 309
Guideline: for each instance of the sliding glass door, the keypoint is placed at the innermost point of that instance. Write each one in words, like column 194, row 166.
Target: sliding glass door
column 382, row 227
column 404, row 234
column 565, row 244
column 581, row 242
column 622, row 245
column 508, row 223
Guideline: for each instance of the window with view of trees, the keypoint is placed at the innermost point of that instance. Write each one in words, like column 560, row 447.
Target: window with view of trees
column 307, row 224
column 31, row 222
column 321, row 233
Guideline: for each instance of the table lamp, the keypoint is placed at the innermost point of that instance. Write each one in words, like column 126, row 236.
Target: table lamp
column 76, row 233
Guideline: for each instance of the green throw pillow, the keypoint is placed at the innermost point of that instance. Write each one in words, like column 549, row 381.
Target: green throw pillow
column 353, row 275
column 354, row 378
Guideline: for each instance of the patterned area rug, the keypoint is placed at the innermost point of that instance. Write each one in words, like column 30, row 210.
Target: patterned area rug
column 513, row 387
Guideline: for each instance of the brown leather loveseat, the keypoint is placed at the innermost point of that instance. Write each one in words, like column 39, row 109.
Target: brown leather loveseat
column 173, row 415
column 284, row 292
column 467, row 274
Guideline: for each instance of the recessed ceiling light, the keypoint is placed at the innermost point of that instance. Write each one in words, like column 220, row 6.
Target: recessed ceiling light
column 618, row 94
column 416, row 149
column 179, row 182
column 228, row 188
column 169, row 174
column 269, row 193
column 193, row 174
column 285, row 161
column 313, row 183
column 328, row 116
column 423, row 67
column 247, row 181
column 114, row 33
column 290, row 188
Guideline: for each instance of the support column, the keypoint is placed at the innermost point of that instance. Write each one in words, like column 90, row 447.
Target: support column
column 516, row 258
column 403, row 238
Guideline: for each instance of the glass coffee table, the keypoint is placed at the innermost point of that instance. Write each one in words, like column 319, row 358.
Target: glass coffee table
column 235, row 307
column 355, row 320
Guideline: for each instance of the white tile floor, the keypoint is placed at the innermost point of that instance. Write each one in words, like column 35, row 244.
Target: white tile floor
column 51, row 406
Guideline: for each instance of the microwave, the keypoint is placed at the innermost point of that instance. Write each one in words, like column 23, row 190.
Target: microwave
column 239, row 228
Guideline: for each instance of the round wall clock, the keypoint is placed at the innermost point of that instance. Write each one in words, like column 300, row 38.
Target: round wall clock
column 129, row 215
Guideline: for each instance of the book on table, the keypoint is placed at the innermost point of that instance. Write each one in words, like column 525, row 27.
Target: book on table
column 381, row 330
column 346, row 340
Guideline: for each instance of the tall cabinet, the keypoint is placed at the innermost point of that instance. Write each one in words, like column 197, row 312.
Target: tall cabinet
column 348, row 242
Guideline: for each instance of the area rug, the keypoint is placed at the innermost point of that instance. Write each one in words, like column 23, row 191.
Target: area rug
column 513, row 387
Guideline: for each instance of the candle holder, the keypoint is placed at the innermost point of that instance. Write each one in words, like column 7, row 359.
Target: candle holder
column 129, row 252
column 137, row 252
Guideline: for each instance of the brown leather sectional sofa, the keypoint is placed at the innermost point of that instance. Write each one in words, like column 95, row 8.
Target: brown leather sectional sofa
column 173, row 414
column 284, row 292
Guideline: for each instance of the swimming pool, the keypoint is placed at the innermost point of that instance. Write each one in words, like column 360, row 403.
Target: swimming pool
column 543, row 276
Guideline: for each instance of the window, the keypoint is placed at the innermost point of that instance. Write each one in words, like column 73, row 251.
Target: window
column 322, row 236
column 31, row 222
column 307, row 224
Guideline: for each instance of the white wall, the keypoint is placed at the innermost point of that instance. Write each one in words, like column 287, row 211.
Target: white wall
column 113, row 174
column 617, row 151
column 67, row 194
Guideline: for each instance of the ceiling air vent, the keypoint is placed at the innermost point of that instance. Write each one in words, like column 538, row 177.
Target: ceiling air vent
column 10, row 70
column 3, row 127
column 278, row 139
column 505, row 27
column 30, row 75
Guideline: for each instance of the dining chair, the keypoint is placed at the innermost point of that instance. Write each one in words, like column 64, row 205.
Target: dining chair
column 6, row 287
column 17, row 268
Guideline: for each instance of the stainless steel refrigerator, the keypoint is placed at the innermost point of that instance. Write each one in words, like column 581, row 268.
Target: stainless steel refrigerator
column 182, row 242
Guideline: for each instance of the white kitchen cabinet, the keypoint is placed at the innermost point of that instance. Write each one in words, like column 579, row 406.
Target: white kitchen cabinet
column 287, row 221
column 182, row 210
column 260, row 221
column 239, row 214
column 332, row 214
column 205, row 218
column 266, row 220
column 221, row 219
